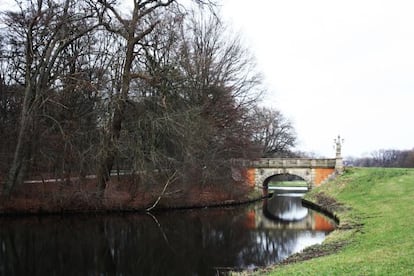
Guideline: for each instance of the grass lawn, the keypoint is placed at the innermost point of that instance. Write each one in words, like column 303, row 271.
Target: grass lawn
column 295, row 183
column 376, row 232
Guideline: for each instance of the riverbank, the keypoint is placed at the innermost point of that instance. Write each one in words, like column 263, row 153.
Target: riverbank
column 122, row 194
column 375, row 235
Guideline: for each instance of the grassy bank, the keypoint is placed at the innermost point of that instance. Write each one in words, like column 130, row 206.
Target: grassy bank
column 288, row 184
column 376, row 232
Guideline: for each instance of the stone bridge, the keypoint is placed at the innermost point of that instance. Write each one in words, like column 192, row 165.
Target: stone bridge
column 314, row 171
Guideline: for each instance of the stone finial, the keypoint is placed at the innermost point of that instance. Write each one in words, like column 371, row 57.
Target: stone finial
column 338, row 143
column 339, row 167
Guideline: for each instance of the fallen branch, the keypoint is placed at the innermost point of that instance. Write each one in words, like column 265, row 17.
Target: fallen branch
column 163, row 191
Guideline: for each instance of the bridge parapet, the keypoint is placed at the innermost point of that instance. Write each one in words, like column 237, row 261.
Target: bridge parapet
column 287, row 163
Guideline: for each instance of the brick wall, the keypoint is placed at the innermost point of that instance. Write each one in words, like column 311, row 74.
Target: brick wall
column 321, row 174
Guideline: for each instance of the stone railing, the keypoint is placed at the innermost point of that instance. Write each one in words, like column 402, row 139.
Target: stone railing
column 287, row 163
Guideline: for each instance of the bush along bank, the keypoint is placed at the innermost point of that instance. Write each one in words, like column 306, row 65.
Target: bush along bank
column 121, row 195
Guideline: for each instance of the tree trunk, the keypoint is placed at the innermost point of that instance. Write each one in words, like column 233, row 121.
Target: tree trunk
column 22, row 153
column 109, row 150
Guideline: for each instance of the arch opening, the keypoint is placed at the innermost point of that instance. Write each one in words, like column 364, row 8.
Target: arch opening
column 285, row 180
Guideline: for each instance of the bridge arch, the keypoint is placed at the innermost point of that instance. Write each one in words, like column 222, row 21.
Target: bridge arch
column 265, row 174
column 283, row 178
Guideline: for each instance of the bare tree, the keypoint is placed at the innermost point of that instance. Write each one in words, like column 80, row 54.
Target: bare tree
column 39, row 32
column 162, row 89
column 221, row 80
column 188, row 112
column 145, row 17
column 386, row 158
column 132, row 30
column 274, row 133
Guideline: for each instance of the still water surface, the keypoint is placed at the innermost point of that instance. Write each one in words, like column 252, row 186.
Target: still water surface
column 189, row 242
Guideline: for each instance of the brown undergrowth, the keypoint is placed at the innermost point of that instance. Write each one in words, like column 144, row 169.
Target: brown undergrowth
column 121, row 194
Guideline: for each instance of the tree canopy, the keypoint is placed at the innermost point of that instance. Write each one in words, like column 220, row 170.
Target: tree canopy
column 87, row 87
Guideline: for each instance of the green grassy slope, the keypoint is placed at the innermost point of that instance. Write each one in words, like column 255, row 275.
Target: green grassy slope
column 376, row 232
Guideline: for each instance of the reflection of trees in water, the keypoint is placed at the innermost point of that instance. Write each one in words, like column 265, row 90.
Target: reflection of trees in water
column 271, row 246
column 179, row 243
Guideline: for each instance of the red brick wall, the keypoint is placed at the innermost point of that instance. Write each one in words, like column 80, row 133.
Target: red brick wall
column 321, row 223
column 321, row 175
column 250, row 175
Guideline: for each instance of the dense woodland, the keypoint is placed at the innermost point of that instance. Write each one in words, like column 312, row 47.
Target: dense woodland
column 89, row 87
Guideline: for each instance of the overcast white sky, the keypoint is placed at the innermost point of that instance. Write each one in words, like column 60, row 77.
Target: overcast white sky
column 335, row 67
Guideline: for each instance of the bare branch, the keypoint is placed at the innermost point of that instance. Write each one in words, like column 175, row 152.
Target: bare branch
column 170, row 179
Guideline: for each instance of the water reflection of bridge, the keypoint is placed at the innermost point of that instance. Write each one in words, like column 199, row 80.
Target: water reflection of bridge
column 313, row 221
column 287, row 212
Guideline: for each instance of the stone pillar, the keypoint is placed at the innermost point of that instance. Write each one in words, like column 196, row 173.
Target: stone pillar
column 339, row 165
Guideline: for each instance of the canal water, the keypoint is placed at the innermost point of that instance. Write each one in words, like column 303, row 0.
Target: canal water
column 187, row 242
